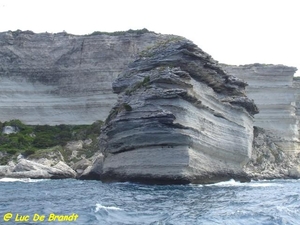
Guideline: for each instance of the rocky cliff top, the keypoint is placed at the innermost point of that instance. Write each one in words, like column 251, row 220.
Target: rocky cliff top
column 265, row 75
column 181, row 55
column 46, row 57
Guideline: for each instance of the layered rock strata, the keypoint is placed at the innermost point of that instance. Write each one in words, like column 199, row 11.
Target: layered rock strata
column 179, row 119
column 62, row 78
column 272, row 89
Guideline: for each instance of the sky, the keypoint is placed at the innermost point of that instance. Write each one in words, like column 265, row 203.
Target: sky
column 232, row 31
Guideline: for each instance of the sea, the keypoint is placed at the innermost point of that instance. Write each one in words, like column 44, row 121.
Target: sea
column 70, row 201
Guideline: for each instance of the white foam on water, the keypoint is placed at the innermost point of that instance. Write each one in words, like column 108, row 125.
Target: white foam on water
column 232, row 183
column 26, row 180
column 106, row 208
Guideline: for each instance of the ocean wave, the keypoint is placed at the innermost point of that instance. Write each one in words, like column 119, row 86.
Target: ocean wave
column 106, row 208
column 26, row 180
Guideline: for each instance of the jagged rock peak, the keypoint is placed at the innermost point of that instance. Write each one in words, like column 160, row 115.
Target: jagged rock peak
column 179, row 119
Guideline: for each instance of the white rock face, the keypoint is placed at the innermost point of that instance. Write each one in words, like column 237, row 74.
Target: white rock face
column 29, row 169
column 271, row 88
column 62, row 78
column 9, row 130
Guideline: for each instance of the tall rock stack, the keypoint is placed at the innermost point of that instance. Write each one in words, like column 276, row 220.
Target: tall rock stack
column 271, row 87
column 179, row 119
column 62, row 78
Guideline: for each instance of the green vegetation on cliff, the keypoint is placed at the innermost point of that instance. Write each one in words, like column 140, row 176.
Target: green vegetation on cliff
column 29, row 139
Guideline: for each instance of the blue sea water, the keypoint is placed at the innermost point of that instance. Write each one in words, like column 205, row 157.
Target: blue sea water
column 257, row 202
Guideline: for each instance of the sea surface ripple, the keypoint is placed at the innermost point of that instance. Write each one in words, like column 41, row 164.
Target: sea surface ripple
column 257, row 202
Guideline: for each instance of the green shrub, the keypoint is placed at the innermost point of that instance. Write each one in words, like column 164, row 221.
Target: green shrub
column 63, row 137
column 3, row 140
column 144, row 83
column 14, row 123
column 43, row 141
column 4, row 160
column 95, row 128
column 127, row 107
column 28, row 152
column 11, row 151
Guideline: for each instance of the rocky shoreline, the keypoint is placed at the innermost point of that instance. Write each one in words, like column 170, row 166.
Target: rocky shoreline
column 29, row 169
column 25, row 168
column 268, row 161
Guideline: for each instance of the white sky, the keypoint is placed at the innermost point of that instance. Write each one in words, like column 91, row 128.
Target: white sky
column 232, row 31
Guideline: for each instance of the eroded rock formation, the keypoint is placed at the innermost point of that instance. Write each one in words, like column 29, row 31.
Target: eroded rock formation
column 179, row 119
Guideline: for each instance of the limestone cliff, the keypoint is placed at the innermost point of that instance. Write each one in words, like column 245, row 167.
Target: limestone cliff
column 62, row 78
column 179, row 116
column 274, row 92
column 179, row 119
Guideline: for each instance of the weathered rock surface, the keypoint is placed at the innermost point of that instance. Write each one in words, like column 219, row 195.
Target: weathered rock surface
column 29, row 169
column 275, row 93
column 269, row 160
column 62, row 78
column 179, row 119
column 5, row 169
column 93, row 171
column 48, row 157
column 81, row 165
column 9, row 130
